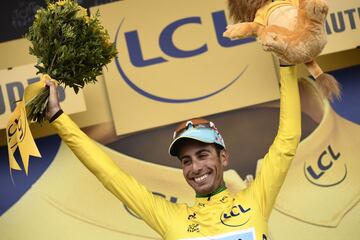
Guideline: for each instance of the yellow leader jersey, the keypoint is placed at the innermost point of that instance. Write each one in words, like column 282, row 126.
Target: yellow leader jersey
column 223, row 216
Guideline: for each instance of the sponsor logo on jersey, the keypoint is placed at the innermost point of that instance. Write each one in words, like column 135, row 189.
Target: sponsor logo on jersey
column 192, row 216
column 202, row 205
column 224, row 199
column 195, row 227
column 237, row 216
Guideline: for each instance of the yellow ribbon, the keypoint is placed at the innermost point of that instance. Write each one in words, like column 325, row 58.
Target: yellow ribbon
column 18, row 131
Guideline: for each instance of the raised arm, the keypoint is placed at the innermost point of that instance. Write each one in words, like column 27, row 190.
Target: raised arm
column 277, row 161
column 154, row 210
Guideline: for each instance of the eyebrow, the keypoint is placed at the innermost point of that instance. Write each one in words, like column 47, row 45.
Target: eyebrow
column 201, row 151
column 197, row 153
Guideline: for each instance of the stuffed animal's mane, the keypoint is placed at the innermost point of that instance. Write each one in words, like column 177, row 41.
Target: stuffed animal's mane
column 244, row 10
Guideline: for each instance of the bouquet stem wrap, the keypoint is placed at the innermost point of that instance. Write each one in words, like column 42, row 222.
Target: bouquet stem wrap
column 18, row 132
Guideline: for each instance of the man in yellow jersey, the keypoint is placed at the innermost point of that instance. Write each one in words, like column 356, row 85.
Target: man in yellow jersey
column 216, row 214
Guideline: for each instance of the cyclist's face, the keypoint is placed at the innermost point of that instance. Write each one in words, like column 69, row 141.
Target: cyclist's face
column 202, row 165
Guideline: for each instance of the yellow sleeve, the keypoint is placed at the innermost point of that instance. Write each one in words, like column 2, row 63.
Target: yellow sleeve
column 277, row 161
column 154, row 210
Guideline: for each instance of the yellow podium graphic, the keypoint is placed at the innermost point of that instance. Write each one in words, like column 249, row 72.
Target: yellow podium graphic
column 12, row 86
column 321, row 193
column 342, row 25
column 325, row 170
column 173, row 61
column 174, row 64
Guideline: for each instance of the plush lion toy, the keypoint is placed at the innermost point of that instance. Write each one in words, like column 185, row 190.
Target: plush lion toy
column 292, row 29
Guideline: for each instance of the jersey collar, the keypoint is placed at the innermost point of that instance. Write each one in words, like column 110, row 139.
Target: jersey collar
column 221, row 188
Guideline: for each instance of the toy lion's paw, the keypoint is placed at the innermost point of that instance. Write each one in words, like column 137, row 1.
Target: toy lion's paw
column 236, row 31
column 317, row 9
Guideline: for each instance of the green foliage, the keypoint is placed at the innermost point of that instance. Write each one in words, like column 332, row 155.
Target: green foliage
column 71, row 47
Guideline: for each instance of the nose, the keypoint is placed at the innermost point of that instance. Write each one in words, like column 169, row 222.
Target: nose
column 197, row 166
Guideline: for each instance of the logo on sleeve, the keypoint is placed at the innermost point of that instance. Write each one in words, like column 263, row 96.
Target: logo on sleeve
column 237, row 216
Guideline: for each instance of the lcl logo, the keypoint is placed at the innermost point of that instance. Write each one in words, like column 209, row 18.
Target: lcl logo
column 169, row 50
column 237, row 216
column 321, row 173
column 17, row 129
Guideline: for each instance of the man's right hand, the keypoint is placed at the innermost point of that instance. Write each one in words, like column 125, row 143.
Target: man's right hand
column 53, row 104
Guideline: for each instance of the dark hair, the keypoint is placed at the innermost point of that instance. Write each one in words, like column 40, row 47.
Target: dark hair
column 218, row 148
column 244, row 10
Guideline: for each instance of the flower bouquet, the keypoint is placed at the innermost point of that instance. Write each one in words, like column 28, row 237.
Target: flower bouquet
column 71, row 47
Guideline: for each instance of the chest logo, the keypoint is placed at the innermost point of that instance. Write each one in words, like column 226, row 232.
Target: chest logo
column 237, row 216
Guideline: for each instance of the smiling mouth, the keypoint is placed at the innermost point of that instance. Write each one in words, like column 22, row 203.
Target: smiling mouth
column 201, row 178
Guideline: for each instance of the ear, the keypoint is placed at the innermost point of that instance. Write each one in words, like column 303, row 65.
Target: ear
column 224, row 157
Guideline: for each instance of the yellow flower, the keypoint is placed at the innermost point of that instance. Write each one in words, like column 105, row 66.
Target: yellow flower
column 82, row 13
column 51, row 6
column 62, row 2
